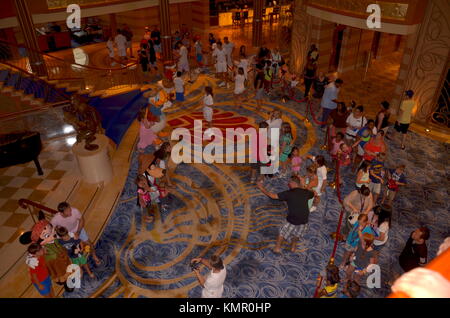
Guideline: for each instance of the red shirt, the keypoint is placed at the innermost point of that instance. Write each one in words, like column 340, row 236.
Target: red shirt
column 40, row 270
column 370, row 146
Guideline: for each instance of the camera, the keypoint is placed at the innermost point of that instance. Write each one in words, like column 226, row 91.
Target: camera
column 194, row 266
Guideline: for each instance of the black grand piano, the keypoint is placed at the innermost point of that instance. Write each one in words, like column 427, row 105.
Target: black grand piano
column 20, row 147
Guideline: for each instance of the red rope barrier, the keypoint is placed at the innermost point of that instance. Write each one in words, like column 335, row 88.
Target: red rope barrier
column 313, row 116
column 339, row 225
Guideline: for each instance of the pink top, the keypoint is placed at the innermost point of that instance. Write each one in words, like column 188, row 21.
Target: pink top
column 296, row 161
column 336, row 146
column 70, row 222
column 145, row 195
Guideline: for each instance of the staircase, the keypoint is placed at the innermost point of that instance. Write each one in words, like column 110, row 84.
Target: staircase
column 117, row 93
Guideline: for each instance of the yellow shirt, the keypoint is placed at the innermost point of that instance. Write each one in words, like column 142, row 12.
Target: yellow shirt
column 331, row 291
column 406, row 107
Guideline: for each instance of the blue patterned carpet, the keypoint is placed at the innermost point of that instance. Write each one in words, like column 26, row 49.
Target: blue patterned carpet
column 216, row 209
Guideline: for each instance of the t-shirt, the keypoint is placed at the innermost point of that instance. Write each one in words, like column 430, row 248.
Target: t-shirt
column 70, row 223
column 372, row 147
column 331, row 291
column 362, row 257
column 228, row 47
column 68, row 245
column 331, row 93
column 339, row 120
column 321, row 177
column 355, row 122
column 413, row 255
column 214, row 284
column 156, row 35
column 198, row 47
column 40, row 270
column 179, row 84
column 383, row 228
column 120, row 40
column 364, row 133
column 297, row 201
column 406, row 107
column 208, row 100
column 376, row 167
column 353, row 237
column 358, row 200
column 183, row 55
column 397, row 177
column 220, row 55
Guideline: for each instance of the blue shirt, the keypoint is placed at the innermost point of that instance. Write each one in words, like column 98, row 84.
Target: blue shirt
column 364, row 140
column 377, row 168
column 353, row 238
column 331, row 92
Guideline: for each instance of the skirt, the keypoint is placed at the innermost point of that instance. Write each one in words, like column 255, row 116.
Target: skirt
column 208, row 113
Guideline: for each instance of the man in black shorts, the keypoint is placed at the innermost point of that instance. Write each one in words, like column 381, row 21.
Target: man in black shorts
column 298, row 211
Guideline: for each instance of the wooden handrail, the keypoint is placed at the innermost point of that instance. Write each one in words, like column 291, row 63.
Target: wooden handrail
column 440, row 264
column 24, row 203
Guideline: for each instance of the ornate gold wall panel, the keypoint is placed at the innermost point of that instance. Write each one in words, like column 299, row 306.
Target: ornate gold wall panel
column 430, row 57
column 301, row 34
column 389, row 10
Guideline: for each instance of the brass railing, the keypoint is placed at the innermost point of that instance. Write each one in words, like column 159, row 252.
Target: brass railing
column 80, row 77
column 28, row 204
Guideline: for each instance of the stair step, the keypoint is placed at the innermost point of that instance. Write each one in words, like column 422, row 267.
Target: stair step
column 28, row 97
column 18, row 93
column 37, row 102
column 7, row 89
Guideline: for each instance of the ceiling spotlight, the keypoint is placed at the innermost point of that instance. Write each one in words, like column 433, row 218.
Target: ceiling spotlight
column 427, row 130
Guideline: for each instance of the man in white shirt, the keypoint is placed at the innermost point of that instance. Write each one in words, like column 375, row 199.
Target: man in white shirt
column 213, row 283
column 121, row 44
column 72, row 219
column 221, row 63
column 330, row 99
column 183, row 62
column 229, row 48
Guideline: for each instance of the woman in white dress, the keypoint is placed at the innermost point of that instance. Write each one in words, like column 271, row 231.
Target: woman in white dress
column 239, row 87
column 207, row 105
column 110, row 46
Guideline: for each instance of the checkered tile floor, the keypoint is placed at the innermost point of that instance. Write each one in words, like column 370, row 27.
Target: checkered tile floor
column 23, row 182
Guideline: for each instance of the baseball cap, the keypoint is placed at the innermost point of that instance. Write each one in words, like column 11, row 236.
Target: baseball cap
column 410, row 93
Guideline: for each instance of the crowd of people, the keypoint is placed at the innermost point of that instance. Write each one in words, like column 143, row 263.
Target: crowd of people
column 356, row 146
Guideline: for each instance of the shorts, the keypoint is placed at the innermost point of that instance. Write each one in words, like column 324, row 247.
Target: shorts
column 208, row 113
column 375, row 187
column 260, row 94
column 179, row 97
column 360, row 151
column 47, row 283
column 183, row 67
column 403, row 128
column 289, row 231
column 82, row 260
column 378, row 247
column 83, row 235
column 350, row 248
column 239, row 91
column 122, row 52
column 199, row 57
column 221, row 67
column 157, row 48
column 391, row 194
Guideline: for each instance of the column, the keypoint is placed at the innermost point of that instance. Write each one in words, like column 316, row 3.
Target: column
column 425, row 61
column 301, row 37
column 27, row 27
column 166, row 34
column 113, row 24
column 258, row 6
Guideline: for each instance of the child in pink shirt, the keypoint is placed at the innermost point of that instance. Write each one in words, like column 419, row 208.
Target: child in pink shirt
column 296, row 161
column 336, row 143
